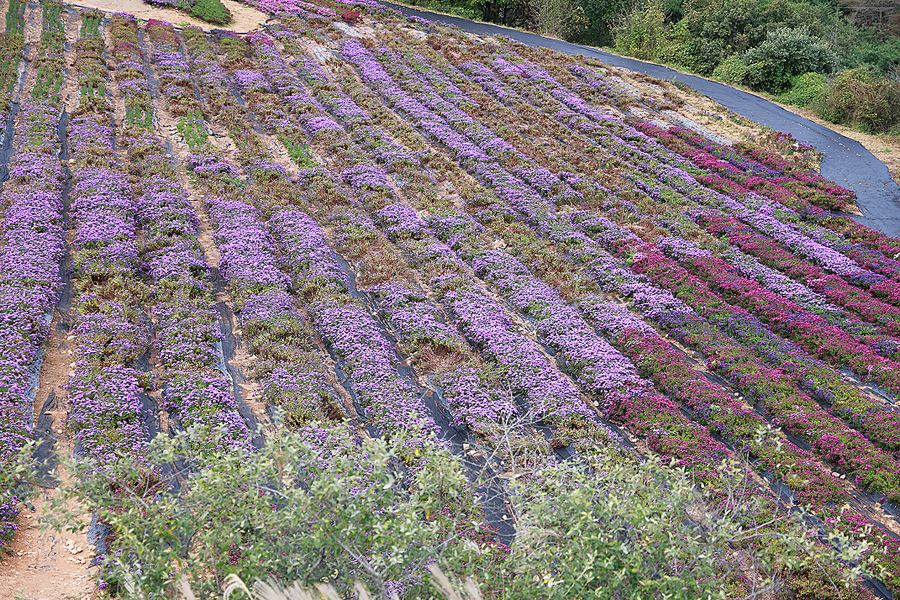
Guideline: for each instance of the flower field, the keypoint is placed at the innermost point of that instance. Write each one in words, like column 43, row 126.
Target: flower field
column 460, row 242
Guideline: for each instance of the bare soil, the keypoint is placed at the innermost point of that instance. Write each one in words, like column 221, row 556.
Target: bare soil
column 70, row 92
column 245, row 18
column 46, row 565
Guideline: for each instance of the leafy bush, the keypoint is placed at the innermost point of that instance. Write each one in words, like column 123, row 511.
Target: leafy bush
column 863, row 98
column 643, row 531
column 722, row 28
column 643, row 32
column 322, row 505
column 676, row 49
column 783, row 55
column 809, row 89
column 211, row 11
column 601, row 16
column 564, row 19
column 706, row 54
column 731, row 70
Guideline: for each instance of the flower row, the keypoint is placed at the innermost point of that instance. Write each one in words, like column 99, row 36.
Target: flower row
column 877, row 256
column 32, row 246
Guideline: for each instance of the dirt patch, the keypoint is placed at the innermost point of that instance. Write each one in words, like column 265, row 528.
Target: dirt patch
column 70, row 92
column 33, row 27
column 47, row 565
column 32, row 34
column 245, row 18
column 112, row 86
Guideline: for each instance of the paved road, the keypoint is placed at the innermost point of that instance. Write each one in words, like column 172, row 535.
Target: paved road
column 845, row 161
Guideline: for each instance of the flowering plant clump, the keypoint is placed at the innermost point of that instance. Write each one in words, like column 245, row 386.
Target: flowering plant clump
column 108, row 391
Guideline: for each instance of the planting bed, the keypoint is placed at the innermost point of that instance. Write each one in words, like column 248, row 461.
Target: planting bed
column 477, row 244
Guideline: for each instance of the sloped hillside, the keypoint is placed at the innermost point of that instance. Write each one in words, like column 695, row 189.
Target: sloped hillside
column 356, row 226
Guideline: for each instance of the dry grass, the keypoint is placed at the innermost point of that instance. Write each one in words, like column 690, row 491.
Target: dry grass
column 272, row 590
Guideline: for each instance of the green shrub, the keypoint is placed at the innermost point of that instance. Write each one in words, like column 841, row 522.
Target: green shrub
column 323, row 505
column 706, row 54
column 675, row 50
column 318, row 505
column 720, row 28
column 643, row 32
column 211, row 11
column 809, row 89
column 559, row 18
column 731, row 70
column 601, row 15
column 783, row 55
column 864, row 99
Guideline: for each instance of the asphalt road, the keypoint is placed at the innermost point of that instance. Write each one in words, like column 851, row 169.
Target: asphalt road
column 845, row 161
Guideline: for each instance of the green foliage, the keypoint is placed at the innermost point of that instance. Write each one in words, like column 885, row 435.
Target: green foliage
column 863, row 98
column 193, row 130
column 211, row 11
column 15, row 18
column 809, row 89
column 731, row 70
column 783, row 55
column 319, row 505
column 675, row 49
column 139, row 116
column 643, row 32
column 235, row 49
column 467, row 9
column 601, row 16
column 564, row 19
column 642, row 531
column 323, row 505
column 90, row 22
column 299, row 152
column 720, row 29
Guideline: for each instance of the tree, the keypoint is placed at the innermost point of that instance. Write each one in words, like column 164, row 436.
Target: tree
column 785, row 54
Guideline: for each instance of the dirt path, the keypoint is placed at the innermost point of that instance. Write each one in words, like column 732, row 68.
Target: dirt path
column 245, row 18
column 46, row 565
column 50, row 565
